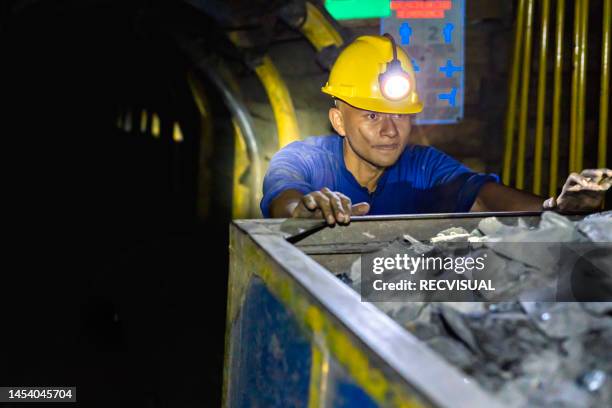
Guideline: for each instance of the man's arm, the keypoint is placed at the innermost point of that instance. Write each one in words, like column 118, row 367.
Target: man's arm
column 284, row 204
column 288, row 190
column 497, row 197
column 333, row 206
column 581, row 192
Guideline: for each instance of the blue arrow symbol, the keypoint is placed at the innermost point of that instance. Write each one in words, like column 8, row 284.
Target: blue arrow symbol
column 405, row 32
column 449, row 96
column 448, row 29
column 450, row 69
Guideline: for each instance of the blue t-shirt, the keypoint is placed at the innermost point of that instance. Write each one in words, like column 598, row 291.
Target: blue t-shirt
column 423, row 180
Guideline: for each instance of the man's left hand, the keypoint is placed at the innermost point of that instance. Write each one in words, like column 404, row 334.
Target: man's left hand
column 582, row 192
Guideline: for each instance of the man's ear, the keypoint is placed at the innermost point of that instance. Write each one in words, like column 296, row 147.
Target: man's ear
column 337, row 120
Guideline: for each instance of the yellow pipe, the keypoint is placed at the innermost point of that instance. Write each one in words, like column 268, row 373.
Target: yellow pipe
column 539, row 140
column 511, row 113
column 605, row 85
column 556, row 119
column 520, row 161
column 584, row 25
column 318, row 30
column 282, row 106
column 575, row 98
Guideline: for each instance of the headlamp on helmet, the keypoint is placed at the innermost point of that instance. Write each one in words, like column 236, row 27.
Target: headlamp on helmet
column 395, row 83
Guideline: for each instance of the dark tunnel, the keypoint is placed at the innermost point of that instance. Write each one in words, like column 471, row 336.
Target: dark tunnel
column 116, row 284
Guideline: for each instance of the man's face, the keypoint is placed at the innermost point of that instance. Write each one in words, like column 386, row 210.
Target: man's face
column 378, row 138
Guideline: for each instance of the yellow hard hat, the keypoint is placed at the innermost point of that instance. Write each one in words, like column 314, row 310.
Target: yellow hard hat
column 372, row 73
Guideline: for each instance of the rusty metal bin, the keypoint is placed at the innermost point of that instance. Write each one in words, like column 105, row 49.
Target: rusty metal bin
column 298, row 336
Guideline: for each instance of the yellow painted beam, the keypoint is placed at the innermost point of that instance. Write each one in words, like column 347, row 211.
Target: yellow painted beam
column 557, row 89
column 318, row 30
column 280, row 99
column 241, row 195
column 520, row 161
column 541, row 111
column 512, row 92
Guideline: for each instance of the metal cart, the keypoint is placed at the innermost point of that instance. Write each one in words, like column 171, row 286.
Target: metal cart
column 298, row 336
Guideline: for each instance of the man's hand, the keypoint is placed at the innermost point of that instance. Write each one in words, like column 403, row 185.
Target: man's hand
column 331, row 205
column 582, row 192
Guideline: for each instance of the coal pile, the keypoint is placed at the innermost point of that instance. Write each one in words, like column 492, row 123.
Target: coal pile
column 528, row 353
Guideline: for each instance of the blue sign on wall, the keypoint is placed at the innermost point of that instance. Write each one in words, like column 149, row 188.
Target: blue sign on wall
column 432, row 32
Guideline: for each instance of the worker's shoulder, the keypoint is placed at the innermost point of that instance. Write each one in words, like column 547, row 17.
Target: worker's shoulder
column 314, row 145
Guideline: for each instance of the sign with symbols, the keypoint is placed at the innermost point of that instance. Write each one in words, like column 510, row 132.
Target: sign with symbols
column 432, row 32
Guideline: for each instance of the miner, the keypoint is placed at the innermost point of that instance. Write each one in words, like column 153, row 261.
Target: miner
column 371, row 167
